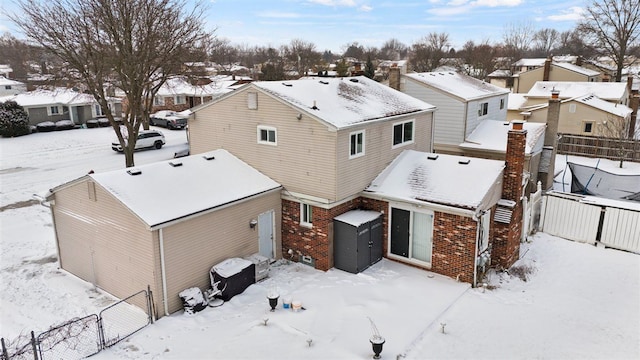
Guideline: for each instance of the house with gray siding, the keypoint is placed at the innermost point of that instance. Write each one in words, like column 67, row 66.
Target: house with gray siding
column 462, row 102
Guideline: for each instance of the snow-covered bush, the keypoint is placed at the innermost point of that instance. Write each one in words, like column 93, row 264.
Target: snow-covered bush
column 14, row 120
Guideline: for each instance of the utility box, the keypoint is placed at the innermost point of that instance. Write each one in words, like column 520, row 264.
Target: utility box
column 357, row 240
column 262, row 265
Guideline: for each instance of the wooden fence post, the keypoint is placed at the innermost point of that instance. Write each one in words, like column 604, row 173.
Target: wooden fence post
column 5, row 354
column 34, row 345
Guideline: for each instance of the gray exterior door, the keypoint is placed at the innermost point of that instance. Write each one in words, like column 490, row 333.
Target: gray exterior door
column 265, row 234
column 400, row 232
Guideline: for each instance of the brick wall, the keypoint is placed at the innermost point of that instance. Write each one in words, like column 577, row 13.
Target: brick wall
column 454, row 244
column 317, row 241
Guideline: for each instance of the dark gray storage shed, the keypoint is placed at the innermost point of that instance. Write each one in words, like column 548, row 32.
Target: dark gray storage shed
column 357, row 240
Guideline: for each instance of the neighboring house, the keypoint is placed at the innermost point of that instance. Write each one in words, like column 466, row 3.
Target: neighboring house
column 553, row 71
column 489, row 141
column 179, row 95
column 514, row 106
column 583, row 115
column 11, row 87
column 453, row 215
column 61, row 104
column 164, row 225
column 527, row 64
column 462, row 102
column 324, row 140
column 616, row 93
column 6, row 70
column 502, row 78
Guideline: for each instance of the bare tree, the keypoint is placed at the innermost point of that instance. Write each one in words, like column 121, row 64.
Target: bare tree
column 304, row 55
column 480, row 59
column 571, row 42
column 612, row 27
column 135, row 45
column 544, row 41
column 517, row 39
column 393, row 49
column 623, row 137
column 427, row 52
column 354, row 50
column 224, row 53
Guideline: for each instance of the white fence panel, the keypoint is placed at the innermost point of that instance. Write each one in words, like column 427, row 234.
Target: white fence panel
column 566, row 217
column 621, row 229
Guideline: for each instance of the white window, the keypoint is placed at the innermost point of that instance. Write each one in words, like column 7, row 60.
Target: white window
column 306, row 215
column 402, row 133
column 356, row 144
column 483, row 109
column 588, row 127
column 54, row 110
column 158, row 101
column 98, row 110
column 501, row 104
column 7, row 87
column 572, row 108
column 483, row 231
column 180, row 99
column 267, row 135
column 252, row 100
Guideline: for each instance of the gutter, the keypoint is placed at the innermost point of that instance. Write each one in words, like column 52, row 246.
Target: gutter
column 163, row 273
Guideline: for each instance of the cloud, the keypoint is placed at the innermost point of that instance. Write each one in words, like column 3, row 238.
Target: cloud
column 495, row 3
column 457, row 7
column 349, row 3
column 449, row 11
column 279, row 15
column 365, row 8
column 574, row 13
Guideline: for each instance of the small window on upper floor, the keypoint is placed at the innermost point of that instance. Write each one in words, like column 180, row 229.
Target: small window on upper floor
column 252, row 100
column 267, row 135
column 356, row 144
column 7, row 87
column 587, row 127
column 501, row 104
column 483, row 109
column 572, row 108
column 402, row 133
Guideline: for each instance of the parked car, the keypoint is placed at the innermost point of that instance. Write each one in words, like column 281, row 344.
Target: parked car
column 146, row 139
column 46, row 126
column 65, row 125
column 169, row 119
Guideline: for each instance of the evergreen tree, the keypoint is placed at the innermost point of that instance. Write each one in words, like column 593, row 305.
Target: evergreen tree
column 342, row 69
column 369, row 70
column 14, row 120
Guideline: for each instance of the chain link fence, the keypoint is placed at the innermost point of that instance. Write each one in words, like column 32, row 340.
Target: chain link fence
column 83, row 337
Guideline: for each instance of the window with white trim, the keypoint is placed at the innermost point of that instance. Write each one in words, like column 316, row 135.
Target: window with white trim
column 501, row 104
column 158, row 100
column 98, row 110
column 356, row 144
column 587, row 127
column 54, row 110
column 572, row 108
column 403, row 133
column 306, row 215
column 267, row 135
column 7, row 87
column 180, row 99
column 483, row 109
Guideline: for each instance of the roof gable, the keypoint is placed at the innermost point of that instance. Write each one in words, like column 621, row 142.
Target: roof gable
column 169, row 190
column 438, row 178
column 577, row 69
column 458, row 85
column 60, row 96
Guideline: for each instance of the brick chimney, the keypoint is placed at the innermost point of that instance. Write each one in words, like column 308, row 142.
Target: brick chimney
column 508, row 213
column 634, row 100
column 548, row 156
column 394, row 77
column 547, row 69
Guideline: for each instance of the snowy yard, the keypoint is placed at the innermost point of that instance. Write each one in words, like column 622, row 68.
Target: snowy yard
column 577, row 302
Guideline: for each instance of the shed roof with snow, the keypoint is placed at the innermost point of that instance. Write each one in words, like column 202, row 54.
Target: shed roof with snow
column 456, row 181
column 610, row 91
column 459, row 85
column 164, row 191
column 492, row 135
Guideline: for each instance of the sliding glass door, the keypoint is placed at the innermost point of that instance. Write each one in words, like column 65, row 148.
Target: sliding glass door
column 411, row 234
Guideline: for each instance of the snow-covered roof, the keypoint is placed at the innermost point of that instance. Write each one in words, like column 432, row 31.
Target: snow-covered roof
column 459, row 85
column 578, row 69
column 357, row 217
column 516, row 101
column 163, row 192
column 593, row 101
column 8, row 82
column 438, row 178
column 41, row 97
column 180, row 86
column 610, row 91
column 342, row 102
column 492, row 135
column 500, row 73
column 530, row 62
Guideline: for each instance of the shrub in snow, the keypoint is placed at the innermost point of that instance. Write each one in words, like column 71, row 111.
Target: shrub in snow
column 65, row 125
column 46, row 126
column 14, row 120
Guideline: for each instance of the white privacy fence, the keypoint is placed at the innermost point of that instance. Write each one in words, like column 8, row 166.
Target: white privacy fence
column 592, row 220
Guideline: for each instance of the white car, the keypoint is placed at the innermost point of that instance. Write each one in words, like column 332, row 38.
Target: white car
column 146, row 139
column 169, row 119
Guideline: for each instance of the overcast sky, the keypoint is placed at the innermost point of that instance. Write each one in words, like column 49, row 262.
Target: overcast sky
column 330, row 24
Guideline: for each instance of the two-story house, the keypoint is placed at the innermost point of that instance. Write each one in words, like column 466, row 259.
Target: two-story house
column 553, row 71
column 462, row 101
column 323, row 139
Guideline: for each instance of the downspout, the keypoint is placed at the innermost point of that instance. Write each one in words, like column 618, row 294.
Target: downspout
column 475, row 258
column 163, row 274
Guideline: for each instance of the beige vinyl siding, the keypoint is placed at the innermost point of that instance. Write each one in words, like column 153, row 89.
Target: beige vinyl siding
column 355, row 174
column 192, row 247
column 105, row 236
column 449, row 116
column 526, row 80
column 303, row 160
column 572, row 123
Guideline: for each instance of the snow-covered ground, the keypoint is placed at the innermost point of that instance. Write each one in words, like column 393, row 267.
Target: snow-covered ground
column 577, row 302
